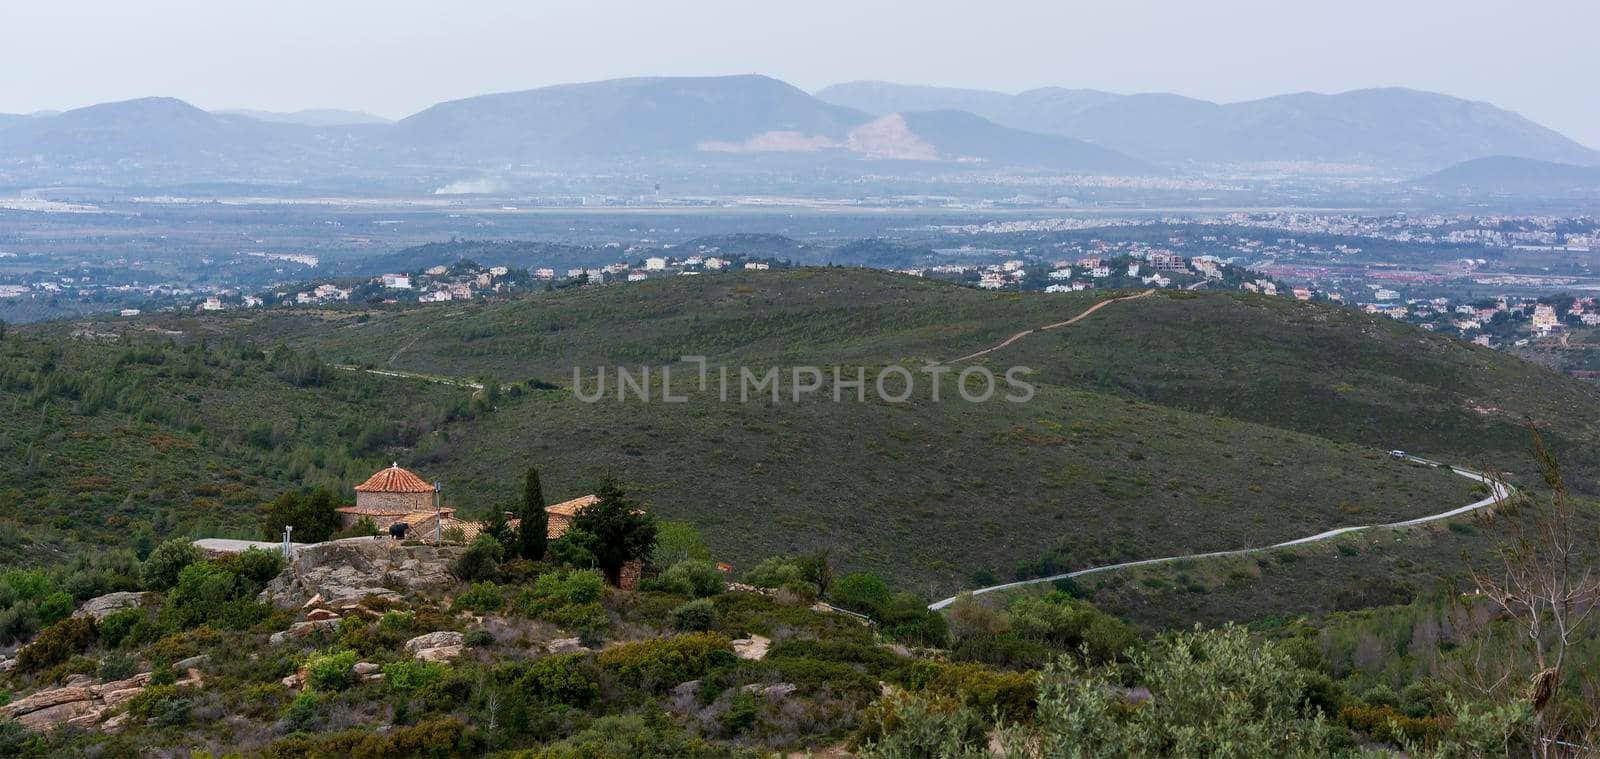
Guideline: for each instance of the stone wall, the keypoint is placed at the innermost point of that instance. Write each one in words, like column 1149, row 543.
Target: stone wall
column 399, row 504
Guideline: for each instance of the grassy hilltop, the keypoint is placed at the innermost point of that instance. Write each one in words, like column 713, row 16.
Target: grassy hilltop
column 1169, row 424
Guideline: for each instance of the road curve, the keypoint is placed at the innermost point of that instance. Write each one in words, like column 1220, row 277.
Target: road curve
column 1499, row 491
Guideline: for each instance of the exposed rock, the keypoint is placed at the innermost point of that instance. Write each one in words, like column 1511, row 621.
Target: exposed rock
column 79, row 679
column 81, row 705
column 436, row 646
column 193, row 662
column 566, row 646
column 773, row 691
column 315, row 600
column 297, row 680
column 343, row 572
column 438, row 653
column 753, row 647
column 101, row 607
column 321, row 615
column 364, row 668
column 300, row 630
column 6, row 665
column 434, row 640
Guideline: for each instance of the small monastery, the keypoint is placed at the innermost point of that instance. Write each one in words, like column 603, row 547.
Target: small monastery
column 396, row 495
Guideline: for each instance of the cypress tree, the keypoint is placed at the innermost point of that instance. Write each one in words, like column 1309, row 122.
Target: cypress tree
column 534, row 520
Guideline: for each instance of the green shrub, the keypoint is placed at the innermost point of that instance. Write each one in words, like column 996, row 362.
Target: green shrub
column 302, row 711
column 568, row 598
column 148, row 703
column 697, row 615
column 478, row 637
column 665, row 661
column 1385, row 723
column 863, row 592
column 331, row 671
column 160, row 571
column 691, row 577
column 117, row 625
column 117, row 666
column 776, row 572
column 27, row 584
column 55, row 607
column 56, row 644
column 481, row 560
column 563, row 679
column 1011, row 694
column 409, row 675
column 256, row 566
column 484, row 598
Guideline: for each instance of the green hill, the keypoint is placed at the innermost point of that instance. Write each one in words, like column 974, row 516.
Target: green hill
column 1168, row 424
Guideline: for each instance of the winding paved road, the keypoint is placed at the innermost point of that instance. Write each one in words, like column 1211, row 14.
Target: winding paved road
column 1499, row 491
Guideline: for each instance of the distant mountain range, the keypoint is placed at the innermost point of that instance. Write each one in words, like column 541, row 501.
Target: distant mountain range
column 1389, row 129
column 1511, row 175
column 737, row 123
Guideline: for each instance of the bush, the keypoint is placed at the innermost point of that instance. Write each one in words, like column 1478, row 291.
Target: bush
column 478, row 638
column 57, row 643
column 921, row 725
column 117, row 666
column 148, row 704
column 332, row 671
column 1010, row 694
column 407, row 676
column 776, row 572
column 697, row 615
column 481, row 560
column 302, row 711
column 564, row 679
column 1385, row 723
column 568, row 598
column 258, row 567
column 665, row 661
column 55, row 607
column 160, row 571
column 693, row 578
column 863, row 592
column 484, row 598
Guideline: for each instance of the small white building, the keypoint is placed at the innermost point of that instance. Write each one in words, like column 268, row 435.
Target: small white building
column 655, row 263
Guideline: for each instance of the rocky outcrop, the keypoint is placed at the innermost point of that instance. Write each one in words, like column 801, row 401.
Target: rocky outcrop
column 101, row 607
column 753, row 648
column 344, row 572
column 566, row 646
column 300, row 630
column 436, row 646
column 80, row 704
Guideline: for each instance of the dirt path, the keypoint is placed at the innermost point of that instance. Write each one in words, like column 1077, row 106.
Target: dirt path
column 1086, row 313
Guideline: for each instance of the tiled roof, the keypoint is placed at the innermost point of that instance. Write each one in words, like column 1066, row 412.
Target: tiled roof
column 394, row 480
column 571, row 508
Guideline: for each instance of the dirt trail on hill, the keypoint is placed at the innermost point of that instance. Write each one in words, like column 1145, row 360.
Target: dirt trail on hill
column 1086, row 313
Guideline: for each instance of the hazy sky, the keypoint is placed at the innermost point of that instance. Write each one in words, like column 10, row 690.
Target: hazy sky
column 394, row 57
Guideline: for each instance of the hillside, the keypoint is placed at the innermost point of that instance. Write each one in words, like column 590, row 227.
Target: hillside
column 1510, row 175
column 1102, row 464
column 1391, row 129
